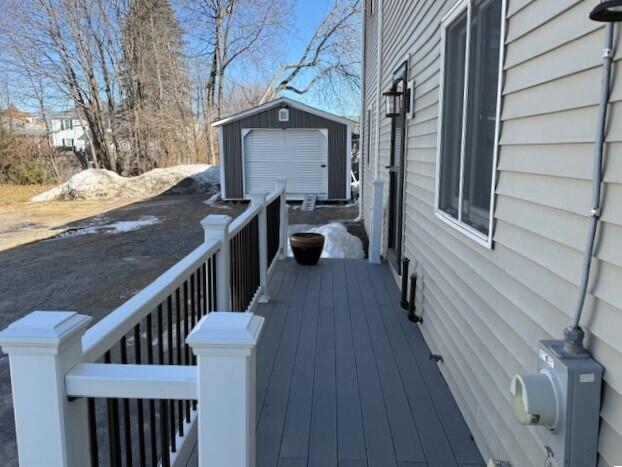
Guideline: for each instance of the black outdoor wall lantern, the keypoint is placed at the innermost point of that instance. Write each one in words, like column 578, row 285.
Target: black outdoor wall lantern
column 393, row 103
column 608, row 11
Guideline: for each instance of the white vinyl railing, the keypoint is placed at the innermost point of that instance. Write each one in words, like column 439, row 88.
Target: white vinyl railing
column 175, row 342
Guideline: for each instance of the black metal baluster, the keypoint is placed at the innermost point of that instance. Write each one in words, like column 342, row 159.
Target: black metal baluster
column 199, row 294
column 256, row 246
column 139, row 402
column 240, row 267
column 250, row 267
column 204, row 287
column 194, row 319
column 114, row 439
column 251, row 245
column 210, row 287
column 152, row 416
column 234, row 272
column 94, row 450
column 186, row 346
column 127, row 434
column 180, row 406
column 192, row 307
column 171, row 357
column 247, row 265
column 164, row 447
column 214, row 286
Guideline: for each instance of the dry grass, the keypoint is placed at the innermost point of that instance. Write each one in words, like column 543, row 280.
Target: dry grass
column 22, row 222
column 13, row 194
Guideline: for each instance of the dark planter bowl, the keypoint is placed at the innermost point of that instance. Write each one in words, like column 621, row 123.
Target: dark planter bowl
column 307, row 247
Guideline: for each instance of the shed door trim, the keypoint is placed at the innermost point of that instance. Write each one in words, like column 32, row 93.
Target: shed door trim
column 324, row 193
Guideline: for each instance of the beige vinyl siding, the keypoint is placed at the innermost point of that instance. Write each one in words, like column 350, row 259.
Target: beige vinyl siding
column 485, row 310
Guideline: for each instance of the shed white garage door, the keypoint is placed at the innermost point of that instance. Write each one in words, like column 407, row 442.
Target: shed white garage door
column 299, row 155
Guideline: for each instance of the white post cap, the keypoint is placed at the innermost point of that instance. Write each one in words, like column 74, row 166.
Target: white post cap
column 226, row 330
column 258, row 197
column 42, row 332
column 216, row 221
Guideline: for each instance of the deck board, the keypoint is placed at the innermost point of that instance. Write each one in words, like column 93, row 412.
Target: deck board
column 350, row 432
column 456, row 431
column 344, row 379
column 274, row 409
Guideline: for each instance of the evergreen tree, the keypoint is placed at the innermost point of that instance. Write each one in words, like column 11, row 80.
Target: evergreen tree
column 155, row 86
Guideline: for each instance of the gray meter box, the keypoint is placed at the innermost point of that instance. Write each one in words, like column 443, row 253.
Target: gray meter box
column 574, row 440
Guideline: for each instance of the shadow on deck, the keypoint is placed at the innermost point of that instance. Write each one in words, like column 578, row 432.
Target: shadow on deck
column 343, row 378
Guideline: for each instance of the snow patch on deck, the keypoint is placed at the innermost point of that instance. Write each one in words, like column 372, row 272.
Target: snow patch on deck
column 338, row 242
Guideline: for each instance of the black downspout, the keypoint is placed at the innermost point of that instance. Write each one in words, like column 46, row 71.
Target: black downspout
column 412, row 307
column 404, row 301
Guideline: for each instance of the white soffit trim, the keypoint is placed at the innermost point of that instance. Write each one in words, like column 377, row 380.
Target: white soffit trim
column 289, row 102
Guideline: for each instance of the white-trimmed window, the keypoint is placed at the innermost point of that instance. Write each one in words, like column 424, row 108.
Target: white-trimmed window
column 284, row 115
column 472, row 56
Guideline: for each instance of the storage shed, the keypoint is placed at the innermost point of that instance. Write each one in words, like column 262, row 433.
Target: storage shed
column 285, row 138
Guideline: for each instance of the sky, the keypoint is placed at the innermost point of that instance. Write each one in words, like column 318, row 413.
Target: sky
column 306, row 16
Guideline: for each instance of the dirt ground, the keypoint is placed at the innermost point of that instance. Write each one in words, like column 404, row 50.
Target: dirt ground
column 22, row 223
column 95, row 273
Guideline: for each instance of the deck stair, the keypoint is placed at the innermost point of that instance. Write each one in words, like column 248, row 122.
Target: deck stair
column 308, row 203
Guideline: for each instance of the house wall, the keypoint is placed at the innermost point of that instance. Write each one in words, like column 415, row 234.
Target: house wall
column 338, row 150
column 77, row 133
column 485, row 309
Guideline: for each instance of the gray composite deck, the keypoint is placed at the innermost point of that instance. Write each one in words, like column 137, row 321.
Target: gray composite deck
column 344, row 379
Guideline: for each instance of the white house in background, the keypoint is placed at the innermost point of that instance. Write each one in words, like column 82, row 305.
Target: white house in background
column 68, row 131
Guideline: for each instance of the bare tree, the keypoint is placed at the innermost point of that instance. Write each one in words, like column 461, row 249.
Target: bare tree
column 69, row 43
column 235, row 31
column 331, row 59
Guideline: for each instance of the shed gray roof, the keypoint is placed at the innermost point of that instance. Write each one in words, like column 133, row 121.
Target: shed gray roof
column 288, row 102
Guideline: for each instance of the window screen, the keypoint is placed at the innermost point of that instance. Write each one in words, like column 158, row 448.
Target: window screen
column 453, row 94
column 468, row 132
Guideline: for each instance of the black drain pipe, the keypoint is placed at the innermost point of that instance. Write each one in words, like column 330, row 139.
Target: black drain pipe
column 403, row 301
column 411, row 305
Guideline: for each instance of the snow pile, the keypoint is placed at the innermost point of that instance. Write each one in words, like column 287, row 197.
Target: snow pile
column 105, row 184
column 338, row 242
column 113, row 228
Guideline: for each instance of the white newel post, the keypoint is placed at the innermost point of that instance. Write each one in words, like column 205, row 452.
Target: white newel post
column 259, row 199
column 281, row 184
column 224, row 344
column 217, row 228
column 42, row 348
column 375, row 242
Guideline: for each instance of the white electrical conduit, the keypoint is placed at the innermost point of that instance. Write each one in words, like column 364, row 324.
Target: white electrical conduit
column 598, row 173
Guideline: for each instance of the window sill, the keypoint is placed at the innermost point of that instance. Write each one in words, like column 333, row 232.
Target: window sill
column 470, row 232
